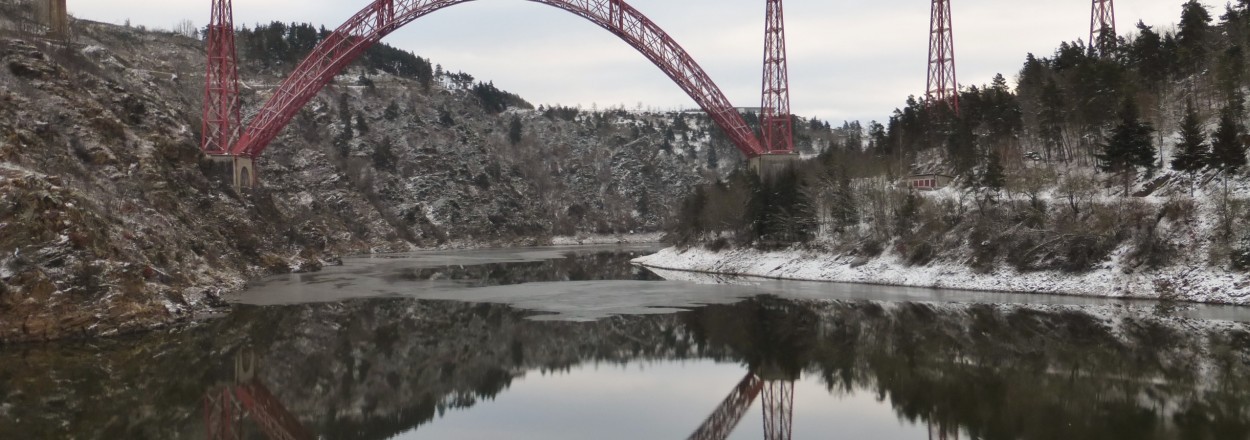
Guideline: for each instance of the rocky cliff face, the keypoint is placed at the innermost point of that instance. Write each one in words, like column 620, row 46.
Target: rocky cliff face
column 110, row 221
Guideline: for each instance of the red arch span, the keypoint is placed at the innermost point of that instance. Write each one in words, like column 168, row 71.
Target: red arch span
column 370, row 25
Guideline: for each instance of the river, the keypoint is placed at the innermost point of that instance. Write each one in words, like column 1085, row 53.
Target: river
column 577, row 343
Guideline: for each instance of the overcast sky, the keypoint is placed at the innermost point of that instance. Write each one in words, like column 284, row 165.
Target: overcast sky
column 849, row 60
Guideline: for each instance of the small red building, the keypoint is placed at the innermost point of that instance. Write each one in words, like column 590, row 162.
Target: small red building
column 928, row 182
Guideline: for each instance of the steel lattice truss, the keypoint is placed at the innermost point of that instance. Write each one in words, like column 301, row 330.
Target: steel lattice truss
column 1102, row 26
column 247, row 398
column 943, row 83
column 778, row 410
column 225, row 410
column 725, row 418
column 227, row 407
column 370, row 25
column 778, row 130
column 221, row 91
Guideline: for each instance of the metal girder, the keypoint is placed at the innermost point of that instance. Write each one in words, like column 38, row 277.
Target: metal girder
column 225, row 409
column 269, row 413
column 725, row 418
column 779, row 410
column 1102, row 34
column 221, row 415
column 247, row 398
column 943, row 83
column 778, row 128
column 221, row 87
column 347, row 43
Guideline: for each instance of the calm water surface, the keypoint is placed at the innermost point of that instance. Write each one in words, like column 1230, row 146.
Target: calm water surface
column 575, row 343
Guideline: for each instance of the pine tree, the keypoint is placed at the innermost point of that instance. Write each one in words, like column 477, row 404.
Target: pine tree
column 1192, row 152
column 1147, row 54
column 515, row 130
column 425, row 74
column 689, row 224
column 1195, row 30
column 1052, row 119
column 713, row 160
column 444, row 118
column 994, row 178
column 1228, row 153
column 345, row 112
column 1106, row 42
column 384, row 155
column 1230, row 77
column 845, row 207
column 786, row 216
column 961, row 146
column 1130, row 146
column 342, row 142
column 392, row 111
column 643, row 205
column 879, row 139
column 361, row 125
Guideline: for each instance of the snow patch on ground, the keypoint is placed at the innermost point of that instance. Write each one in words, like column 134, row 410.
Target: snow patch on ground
column 606, row 239
column 1206, row 285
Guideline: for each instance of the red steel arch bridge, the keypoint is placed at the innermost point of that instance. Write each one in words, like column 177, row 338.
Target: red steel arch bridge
column 225, row 135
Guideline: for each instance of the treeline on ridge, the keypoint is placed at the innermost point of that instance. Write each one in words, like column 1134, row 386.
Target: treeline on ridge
column 282, row 46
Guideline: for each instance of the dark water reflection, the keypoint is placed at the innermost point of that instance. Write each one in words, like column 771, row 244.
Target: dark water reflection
column 381, row 368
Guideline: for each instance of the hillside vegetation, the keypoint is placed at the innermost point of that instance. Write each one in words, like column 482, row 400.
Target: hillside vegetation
column 1125, row 160
column 110, row 221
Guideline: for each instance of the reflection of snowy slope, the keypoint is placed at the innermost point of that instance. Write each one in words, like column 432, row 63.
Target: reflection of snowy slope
column 702, row 277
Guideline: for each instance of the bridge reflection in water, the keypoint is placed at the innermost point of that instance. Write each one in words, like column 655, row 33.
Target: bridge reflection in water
column 227, row 407
column 387, row 368
column 953, row 369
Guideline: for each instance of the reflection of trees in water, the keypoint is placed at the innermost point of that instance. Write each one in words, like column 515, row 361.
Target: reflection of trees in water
column 372, row 369
column 382, row 368
column 1016, row 372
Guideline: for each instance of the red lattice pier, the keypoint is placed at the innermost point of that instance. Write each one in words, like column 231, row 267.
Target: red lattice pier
column 943, row 83
column 1102, row 34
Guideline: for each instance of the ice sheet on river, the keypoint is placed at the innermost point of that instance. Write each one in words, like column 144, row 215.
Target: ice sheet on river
column 590, row 283
column 573, row 300
column 528, row 279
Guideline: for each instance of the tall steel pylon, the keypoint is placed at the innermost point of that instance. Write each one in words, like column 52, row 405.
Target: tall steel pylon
column 778, row 133
column 779, row 410
column 1102, row 34
column 943, row 83
column 221, row 88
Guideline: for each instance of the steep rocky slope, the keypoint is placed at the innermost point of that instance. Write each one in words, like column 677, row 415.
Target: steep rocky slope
column 110, row 221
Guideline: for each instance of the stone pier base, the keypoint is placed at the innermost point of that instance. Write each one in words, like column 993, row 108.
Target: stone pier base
column 771, row 166
column 241, row 171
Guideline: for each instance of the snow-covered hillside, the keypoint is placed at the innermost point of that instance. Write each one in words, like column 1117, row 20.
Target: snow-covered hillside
column 110, row 222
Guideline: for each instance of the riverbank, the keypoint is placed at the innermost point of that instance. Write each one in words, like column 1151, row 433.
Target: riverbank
column 112, row 223
column 599, row 239
column 1204, row 285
